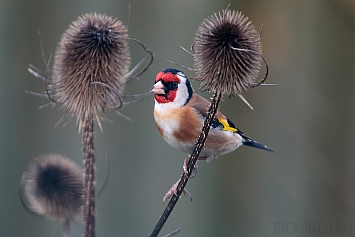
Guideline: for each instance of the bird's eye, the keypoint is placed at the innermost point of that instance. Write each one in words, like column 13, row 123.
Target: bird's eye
column 171, row 86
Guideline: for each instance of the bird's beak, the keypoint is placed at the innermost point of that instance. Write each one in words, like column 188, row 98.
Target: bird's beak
column 158, row 88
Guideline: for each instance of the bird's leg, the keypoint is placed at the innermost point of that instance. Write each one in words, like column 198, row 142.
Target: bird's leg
column 172, row 191
column 194, row 170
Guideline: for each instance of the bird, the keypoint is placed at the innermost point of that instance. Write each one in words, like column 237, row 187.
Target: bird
column 179, row 114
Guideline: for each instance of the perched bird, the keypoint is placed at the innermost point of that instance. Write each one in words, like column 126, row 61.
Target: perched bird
column 179, row 114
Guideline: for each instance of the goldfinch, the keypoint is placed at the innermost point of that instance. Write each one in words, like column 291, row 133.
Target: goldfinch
column 179, row 115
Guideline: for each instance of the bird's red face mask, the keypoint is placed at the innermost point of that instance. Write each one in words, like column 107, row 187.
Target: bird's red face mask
column 165, row 88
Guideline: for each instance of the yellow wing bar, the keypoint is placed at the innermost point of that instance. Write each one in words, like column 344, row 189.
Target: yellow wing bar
column 227, row 126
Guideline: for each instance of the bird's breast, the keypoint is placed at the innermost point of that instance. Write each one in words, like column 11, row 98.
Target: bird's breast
column 179, row 127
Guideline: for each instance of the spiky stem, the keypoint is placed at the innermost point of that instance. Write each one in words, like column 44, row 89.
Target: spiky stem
column 89, row 181
column 191, row 163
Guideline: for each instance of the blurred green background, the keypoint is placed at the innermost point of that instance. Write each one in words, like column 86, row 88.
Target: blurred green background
column 309, row 119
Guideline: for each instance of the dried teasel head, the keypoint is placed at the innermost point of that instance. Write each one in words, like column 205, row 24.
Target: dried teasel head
column 227, row 53
column 53, row 186
column 90, row 66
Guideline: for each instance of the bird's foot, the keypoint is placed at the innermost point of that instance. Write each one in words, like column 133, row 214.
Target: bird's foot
column 172, row 191
column 194, row 170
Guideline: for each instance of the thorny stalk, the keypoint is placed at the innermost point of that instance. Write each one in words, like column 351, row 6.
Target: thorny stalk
column 191, row 163
column 89, row 185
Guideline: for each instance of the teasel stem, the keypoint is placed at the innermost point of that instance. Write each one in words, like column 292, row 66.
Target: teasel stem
column 191, row 163
column 89, row 185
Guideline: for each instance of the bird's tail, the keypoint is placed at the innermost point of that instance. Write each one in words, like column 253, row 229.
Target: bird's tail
column 250, row 142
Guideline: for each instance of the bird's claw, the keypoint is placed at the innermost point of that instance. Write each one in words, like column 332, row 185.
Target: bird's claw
column 172, row 191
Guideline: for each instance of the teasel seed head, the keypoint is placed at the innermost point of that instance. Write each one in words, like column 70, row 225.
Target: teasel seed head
column 227, row 53
column 90, row 65
column 53, row 186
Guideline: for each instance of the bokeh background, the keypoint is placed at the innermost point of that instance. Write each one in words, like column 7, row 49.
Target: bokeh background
column 309, row 119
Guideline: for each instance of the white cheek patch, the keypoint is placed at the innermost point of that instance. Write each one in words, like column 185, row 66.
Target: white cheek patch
column 182, row 94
